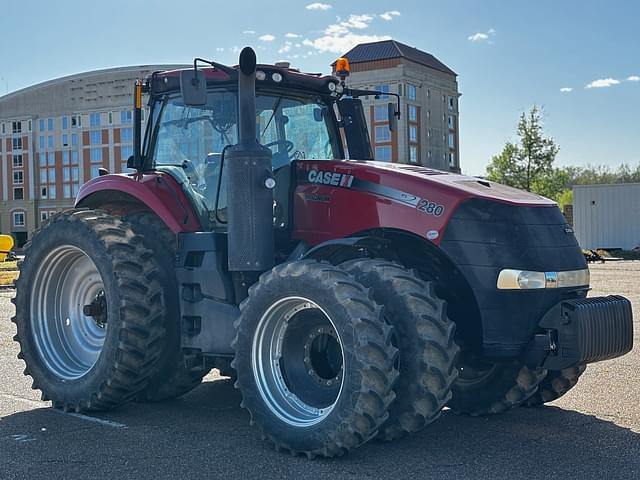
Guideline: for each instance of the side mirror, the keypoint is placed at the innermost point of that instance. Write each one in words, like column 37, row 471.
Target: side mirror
column 355, row 129
column 131, row 163
column 392, row 115
column 193, row 87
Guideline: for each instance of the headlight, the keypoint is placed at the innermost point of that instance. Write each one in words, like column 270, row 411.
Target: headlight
column 276, row 77
column 260, row 75
column 510, row 279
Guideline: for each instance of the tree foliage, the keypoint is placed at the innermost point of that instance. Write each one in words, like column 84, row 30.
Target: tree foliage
column 529, row 165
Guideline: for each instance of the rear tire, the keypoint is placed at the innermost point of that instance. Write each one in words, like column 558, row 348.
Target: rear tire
column 314, row 359
column 89, row 310
column 487, row 388
column 176, row 373
column 425, row 337
column 555, row 385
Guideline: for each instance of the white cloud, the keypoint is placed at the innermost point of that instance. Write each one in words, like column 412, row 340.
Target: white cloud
column 292, row 35
column 357, row 21
column 633, row 78
column 342, row 43
column 566, row 89
column 267, row 38
column 285, row 48
column 603, row 83
column 249, row 32
column 482, row 36
column 318, row 6
column 389, row 15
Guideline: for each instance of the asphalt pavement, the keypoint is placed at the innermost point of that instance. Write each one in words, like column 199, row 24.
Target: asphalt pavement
column 592, row 432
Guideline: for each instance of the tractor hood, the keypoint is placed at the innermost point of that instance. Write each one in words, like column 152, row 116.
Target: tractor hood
column 412, row 183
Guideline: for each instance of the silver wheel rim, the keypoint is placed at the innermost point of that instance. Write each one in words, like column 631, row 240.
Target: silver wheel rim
column 273, row 367
column 68, row 341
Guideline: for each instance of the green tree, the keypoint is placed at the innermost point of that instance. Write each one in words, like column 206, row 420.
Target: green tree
column 527, row 164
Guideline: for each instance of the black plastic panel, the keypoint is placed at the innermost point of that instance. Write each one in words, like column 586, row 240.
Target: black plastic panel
column 484, row 237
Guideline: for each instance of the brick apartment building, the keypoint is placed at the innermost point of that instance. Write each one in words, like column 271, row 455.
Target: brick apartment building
column 54, row 136
column 428, row 130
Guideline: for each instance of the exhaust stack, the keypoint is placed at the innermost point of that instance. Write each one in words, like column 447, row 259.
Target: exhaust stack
column 247, row 166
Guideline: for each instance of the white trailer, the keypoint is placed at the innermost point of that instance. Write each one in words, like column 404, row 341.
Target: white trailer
column 607, row 216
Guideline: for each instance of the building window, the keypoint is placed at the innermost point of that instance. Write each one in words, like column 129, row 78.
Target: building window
column 74, row 121
column 18, row 193
column 41, row 142
column 17, row 160
column 451, row 122
column 383, row 154
column 126, row 135
column 95, row 171
column 452, row 159
column 41, row 124
column 44, row 215
column 52, row 175
column 17, row 127
column 65, row 157
column 125, row 152
column 451, row 103
column 413, row 154
column 18, row 219
column 29, row 125
column 50, row 124
column 17, row 177
column 65, row 123
column 96, row 155
column 411, row 91
column 51, row 159
column 95, row 137
column 17, row 143
column 74, row 157
column 3, row 129
column 383, row 88
column 126, row 116
column 50, row 141
column 383, row 134
column 452, row 140
column 413, row 133
column 110, row 118
column 43, row 159
column 66, row 190
column 65, row 140
column 94, row 119
column 413, row 113
column 74, row 139
column 381, row 113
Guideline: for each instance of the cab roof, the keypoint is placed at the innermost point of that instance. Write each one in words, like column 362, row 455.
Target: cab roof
column 159, row 83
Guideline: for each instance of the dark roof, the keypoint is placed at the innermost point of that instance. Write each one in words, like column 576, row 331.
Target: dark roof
column 385, row 49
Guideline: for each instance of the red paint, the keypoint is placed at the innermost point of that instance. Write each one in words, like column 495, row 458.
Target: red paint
column 350, row 211
column 158, row 191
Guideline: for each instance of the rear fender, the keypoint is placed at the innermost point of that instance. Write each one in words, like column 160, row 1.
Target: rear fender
column 157, row 192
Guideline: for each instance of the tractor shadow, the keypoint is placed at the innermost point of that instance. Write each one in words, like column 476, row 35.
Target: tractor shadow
column 523, row 443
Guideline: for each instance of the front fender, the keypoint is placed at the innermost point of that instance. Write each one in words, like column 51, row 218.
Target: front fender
column 157, row 191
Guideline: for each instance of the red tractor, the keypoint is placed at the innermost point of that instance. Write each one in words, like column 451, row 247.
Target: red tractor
column 352, row 299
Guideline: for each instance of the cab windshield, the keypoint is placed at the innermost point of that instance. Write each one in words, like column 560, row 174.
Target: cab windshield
column 293, row 127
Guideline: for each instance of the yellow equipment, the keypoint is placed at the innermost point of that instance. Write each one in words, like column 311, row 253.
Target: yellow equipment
column 6, row 244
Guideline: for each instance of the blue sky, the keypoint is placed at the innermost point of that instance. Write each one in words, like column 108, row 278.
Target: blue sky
column 508, row 54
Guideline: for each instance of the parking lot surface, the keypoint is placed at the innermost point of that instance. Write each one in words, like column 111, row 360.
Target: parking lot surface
column 592, row 432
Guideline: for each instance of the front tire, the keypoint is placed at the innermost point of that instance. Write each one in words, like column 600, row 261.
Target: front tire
column 487, row 388
column 555, row 385
column 314, row 359
column 425, row 337
column 89, row 311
